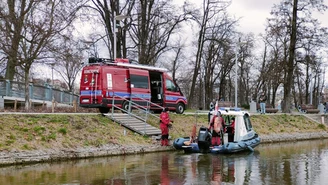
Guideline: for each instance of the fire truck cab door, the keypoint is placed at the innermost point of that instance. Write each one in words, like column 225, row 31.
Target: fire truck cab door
column 140, row 86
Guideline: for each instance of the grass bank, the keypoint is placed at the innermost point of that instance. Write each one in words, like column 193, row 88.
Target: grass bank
column 27, row 132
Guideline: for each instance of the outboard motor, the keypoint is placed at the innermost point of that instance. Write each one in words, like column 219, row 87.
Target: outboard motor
column 204, row 140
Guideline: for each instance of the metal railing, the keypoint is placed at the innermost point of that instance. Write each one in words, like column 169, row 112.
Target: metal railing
column 36, row 92
column 134, row 105
column 140, row 112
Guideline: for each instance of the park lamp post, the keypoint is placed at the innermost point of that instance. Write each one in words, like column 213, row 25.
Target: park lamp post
column 236, row 69
column 116, row 18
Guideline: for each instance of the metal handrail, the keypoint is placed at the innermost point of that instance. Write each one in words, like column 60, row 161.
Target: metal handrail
column 151, row 103
column 135, row 106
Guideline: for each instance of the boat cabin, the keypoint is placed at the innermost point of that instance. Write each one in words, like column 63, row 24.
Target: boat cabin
column 242, row 128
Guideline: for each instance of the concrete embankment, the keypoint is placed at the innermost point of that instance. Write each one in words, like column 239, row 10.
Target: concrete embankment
column 51, row 155
column 293, row 137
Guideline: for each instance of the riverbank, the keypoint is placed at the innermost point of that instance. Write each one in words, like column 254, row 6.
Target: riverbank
column 32, row 138
column 50, row 155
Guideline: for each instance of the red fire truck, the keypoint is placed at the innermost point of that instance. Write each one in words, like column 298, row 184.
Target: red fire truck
column 104, row 82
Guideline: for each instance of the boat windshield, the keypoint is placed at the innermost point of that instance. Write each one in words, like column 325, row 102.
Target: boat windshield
column 248, row 123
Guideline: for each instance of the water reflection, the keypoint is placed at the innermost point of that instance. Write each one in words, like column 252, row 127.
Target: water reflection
column 219, row 169
column 295, row 163
column 285, row 163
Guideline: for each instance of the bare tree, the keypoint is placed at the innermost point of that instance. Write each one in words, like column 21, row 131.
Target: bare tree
column 210, row 11
column 276, row 54
column 147, row 30
column 287, row 16
column 157, row 21
column 28, row 27
column 68, row 60
column 175, row 63
column 108, row 10
column 245, row 60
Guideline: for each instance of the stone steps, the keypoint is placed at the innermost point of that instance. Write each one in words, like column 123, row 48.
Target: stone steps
column 319, row 118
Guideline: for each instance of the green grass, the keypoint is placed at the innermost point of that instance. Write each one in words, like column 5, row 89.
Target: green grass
column 37, row 132
column 39, row 129
column 62, row 131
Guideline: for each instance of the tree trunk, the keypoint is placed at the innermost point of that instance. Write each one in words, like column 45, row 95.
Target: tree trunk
column 10, row 69
column 27, row 90
column 197, row 65
column 290, row 65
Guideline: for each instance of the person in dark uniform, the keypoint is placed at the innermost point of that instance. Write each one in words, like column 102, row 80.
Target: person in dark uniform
column 231, row 130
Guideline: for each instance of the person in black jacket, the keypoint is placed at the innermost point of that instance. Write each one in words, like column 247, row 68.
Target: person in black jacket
column 262, row 102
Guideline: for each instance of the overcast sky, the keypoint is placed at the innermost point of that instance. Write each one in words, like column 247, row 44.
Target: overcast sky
column 253, row 14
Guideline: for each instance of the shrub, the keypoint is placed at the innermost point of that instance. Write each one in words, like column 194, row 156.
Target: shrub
column 52, row 136
column 63, row 131
column 322, row 126
column 25, row 146
column 39, row 129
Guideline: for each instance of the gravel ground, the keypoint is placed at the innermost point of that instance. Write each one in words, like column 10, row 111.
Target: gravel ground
column 26, row 157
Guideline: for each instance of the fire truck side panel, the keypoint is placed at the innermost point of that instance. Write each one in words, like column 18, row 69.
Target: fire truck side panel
column 173, row 97
column 115, row 83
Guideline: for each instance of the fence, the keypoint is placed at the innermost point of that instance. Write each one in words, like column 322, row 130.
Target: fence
column 37, row 92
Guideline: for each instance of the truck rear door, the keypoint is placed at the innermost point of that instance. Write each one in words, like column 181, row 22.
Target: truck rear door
column 90, row 87
column 140, row 86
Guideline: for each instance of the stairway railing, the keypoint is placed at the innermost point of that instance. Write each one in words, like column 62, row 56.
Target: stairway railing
column 142, row 112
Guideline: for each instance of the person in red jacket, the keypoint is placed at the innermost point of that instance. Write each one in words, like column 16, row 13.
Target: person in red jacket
column 165, row 124
column 165, row 180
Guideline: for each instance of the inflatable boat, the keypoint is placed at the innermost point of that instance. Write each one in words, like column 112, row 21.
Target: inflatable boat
column 240, row 138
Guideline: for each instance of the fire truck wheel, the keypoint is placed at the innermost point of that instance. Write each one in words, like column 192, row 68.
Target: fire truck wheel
column 180, row 108
column 103, row 110
column 125, row 107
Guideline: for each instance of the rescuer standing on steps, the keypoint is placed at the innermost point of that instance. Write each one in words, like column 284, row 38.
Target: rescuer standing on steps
column 165, row 124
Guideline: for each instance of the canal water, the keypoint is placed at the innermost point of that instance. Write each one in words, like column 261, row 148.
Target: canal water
column 293, row 163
